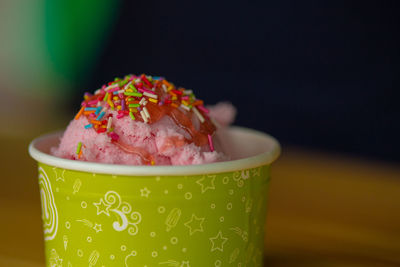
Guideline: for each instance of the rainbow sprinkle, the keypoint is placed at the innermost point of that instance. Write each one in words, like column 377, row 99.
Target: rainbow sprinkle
column 78, row 148
column 198, row 114
column 80, row 112
column 132, row 116
column 210, row 142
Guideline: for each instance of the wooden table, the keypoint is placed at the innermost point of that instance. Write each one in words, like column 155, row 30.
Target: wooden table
column 324, row 210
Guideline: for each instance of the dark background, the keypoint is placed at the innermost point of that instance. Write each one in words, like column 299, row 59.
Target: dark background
column 311, row 73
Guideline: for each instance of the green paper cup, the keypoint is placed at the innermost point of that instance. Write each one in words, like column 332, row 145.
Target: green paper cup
column 117, row 215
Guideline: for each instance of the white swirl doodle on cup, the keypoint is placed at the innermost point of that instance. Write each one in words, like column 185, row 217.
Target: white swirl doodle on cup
column 126, row 217
column 49, row 209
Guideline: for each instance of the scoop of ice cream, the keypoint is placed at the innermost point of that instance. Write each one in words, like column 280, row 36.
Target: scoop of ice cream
column 143, row 120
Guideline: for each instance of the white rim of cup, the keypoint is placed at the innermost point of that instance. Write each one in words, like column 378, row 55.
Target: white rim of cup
column 261, row 159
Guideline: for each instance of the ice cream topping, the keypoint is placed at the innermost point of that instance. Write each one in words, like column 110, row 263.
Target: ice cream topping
column 146, row 99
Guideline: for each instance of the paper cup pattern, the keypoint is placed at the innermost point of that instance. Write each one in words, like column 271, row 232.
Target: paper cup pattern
column 188, row 216
column 93, row 219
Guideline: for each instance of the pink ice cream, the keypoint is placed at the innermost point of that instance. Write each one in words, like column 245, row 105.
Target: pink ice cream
column 133, row 139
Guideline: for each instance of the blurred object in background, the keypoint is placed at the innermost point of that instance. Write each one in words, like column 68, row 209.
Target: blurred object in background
column 47, row 47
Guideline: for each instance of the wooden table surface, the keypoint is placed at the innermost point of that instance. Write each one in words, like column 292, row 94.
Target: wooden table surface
column 324, row 210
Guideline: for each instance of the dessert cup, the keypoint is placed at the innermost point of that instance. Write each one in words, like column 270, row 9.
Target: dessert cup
column 118, row 215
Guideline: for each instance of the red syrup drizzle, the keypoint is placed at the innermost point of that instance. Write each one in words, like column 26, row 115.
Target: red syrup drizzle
column 145, row 156
column 183, row 119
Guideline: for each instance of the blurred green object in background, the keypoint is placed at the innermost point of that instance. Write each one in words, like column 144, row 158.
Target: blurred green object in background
column 47, row 50
column 75, row 31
